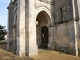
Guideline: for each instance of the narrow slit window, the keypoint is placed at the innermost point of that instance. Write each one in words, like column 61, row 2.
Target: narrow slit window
column 61, row 15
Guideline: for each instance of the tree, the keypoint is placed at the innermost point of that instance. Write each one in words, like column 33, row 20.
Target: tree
column 2, row 32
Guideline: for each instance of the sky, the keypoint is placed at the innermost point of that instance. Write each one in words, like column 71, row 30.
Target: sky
column 4, row 12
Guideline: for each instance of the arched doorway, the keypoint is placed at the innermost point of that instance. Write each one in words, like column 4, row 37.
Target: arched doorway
column 42, row 30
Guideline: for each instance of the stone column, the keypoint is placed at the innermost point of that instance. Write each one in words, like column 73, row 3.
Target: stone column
column 8, row 33
column 38, row 37
column 75, row 27
column 10, row 27
column 50, row 44
column 31, row 45
column 20, row 28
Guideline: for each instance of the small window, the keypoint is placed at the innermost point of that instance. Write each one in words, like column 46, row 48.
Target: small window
column 61, row 15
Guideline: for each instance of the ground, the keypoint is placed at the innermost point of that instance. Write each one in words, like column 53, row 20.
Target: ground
column 42, row 55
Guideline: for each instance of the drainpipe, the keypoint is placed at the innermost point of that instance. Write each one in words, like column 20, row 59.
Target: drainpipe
column 75, row 28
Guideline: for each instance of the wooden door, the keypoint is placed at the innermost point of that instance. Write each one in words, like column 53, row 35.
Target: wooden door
column 44, row 37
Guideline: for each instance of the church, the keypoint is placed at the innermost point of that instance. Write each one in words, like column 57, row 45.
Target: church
column 46, row 24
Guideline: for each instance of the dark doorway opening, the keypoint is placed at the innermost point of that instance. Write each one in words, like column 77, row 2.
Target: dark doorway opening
column 44, row 37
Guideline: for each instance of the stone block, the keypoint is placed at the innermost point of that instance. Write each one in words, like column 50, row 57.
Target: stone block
column 79, row 51
column 70, row 51
column 58, row 48
column 20, row 53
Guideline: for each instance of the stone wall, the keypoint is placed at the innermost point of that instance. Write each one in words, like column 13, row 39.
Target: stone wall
column 78, row 7
column 59, row 16
column 62, row 11
column 64, row 36
column 78, row 33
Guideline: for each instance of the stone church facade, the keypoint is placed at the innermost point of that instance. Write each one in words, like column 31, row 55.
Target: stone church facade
column 51, row 24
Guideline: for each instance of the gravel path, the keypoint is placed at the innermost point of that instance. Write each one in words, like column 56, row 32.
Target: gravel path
column 43, row 55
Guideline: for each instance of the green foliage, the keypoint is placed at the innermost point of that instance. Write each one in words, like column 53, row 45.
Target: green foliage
column 2, row 32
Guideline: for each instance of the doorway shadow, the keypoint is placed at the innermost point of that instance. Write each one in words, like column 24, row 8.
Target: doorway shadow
column 43, row 50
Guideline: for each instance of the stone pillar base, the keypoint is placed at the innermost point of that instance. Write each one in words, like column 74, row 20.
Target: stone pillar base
column 32, row 52
column 7, row 46
column 74, row 53
column 50, row 46
column 20, row 53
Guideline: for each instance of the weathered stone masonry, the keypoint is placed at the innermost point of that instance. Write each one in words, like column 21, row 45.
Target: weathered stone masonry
column 52, row 24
